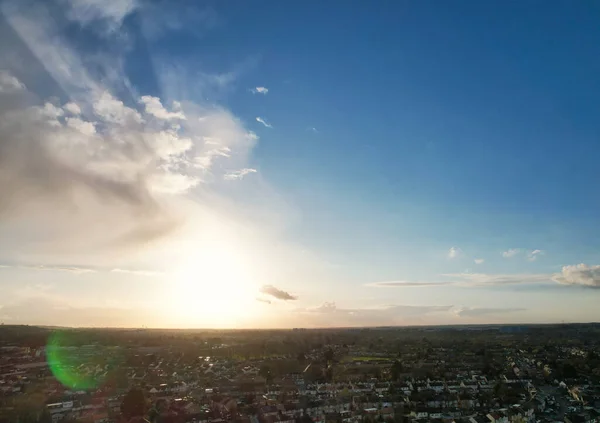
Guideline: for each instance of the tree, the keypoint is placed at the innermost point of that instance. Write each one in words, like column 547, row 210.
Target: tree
column 265, row 371
column 396, row 370
column 134, row 404
column 328, row 355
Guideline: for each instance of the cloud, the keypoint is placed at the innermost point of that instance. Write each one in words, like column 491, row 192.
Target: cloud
column 104, row 168
column 331, row 315
column 86, row 128
column 261, row 120
column 277, row 293
column 406, row 284
column 156, row 109
column 484, row 279
column 579, row 274
column 534, row 254
column 454, row 252
column 312, row 129
column 72, row 108
column 137, row 272
column 238, row 174
column 41, row 309
column 9, row 83
column 68, row 269
column 511, row 252
column 259, row 90
column 478, row 260
column 482, row 311
column 331, row 307
column 111, row 12
column 263, row 300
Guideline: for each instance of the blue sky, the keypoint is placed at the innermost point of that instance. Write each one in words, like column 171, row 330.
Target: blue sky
column 325, row 161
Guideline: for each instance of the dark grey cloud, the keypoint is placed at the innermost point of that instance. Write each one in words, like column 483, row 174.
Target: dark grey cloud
column 40, row 311
column 483, row 311
column 329, row 314
column 277, row 293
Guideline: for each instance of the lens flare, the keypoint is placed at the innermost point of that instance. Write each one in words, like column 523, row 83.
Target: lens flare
column 81, row 368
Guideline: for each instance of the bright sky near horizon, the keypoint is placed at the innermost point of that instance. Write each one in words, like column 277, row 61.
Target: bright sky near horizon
column 298, row 164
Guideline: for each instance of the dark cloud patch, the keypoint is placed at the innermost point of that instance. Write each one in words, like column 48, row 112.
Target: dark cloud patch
column 277, row 293
column 483, row 311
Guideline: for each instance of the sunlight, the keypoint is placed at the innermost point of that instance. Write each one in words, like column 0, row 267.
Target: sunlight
column 214, row 286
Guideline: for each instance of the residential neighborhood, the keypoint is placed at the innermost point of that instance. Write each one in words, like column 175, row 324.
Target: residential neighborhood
column 461, row 374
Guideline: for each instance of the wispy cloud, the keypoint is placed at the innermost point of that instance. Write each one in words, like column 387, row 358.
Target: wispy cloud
column 263, row 300
column 264, row 122
column 483, row 311
column 277, row 293
column 576, row 275
column 259, row 90
column 406, row 284
column 484, row 279
column 238, row 174
column 9, row 83
column 330, row 314
column 454, row 252
column 534, row 254
column 137, row 272
column 76, row 270
column 478, row 260
column 101, row 169
column 511, row 252
column 39, row 267
column 111, row 12
column 312, row 129
column 579, row 274
column 155, row 108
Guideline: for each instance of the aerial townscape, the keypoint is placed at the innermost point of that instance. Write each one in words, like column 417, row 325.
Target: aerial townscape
column 299, row 211
column 466, row 374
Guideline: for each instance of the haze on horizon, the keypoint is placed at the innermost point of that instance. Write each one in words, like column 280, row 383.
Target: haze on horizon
column 237, row 165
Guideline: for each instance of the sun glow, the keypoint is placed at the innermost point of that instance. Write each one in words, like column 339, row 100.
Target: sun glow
column 214, row 286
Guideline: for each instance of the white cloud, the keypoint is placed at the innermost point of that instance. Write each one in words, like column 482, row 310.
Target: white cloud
column 478, row 260
column 9, row 83
column 579, row 274
column 534, row 254
column 137, row 272
column 238, row 174
column 454, row 252
column 313, row 129
column 264, row 122
column 67, row 269
column 72, row 108
column 155, row 108
column 259, row 90
column 511, row 252
column 114, row 111
column 92, row 173
column 483, row 279
column 405, row 284
column 86, row 128
column 111, row 11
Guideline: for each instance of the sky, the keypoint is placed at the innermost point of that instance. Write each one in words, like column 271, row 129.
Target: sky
column 226, row 164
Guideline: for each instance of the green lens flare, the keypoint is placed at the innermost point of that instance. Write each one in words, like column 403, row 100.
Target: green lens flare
column 70, row 366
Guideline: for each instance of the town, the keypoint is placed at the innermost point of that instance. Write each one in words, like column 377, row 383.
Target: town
column 470, row 374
